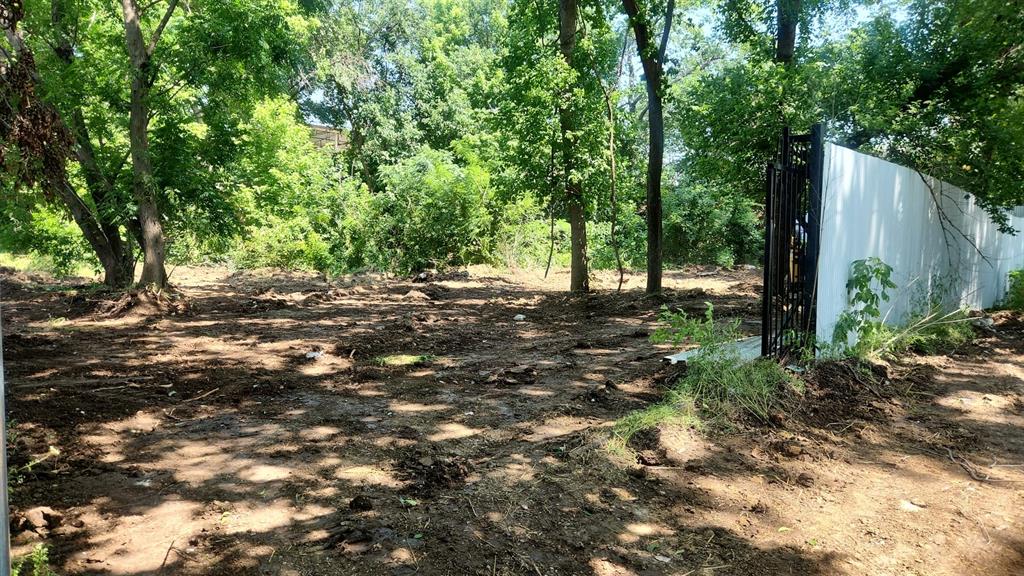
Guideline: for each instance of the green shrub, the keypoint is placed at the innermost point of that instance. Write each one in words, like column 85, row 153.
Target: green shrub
column 36, row 564
column 522, row 236
column 867, row 286
column 432, row 212
column 931, row 331
column 709, row 226
column 281, row 243
column 47, row 233
column 1015, row 295
column 631, row 236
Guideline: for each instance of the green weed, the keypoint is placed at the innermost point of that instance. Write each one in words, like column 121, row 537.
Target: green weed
column 719, row 387
column 1015, row 295
column 37, row 563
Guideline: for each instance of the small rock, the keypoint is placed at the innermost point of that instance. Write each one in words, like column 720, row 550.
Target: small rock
column 519, row 318
column 792, row 450
column 984, row 322
column 361, row 503
column 637, row 472
column 314, row 354
column 43, row 517
column 805, row 480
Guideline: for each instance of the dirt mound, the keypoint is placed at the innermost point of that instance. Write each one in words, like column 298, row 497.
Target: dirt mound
column 430, row 473
column 843, row 390
column 15, row 343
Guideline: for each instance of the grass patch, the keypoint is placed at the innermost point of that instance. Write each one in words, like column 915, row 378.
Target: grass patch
column 667, row 413
column 404, row 360
column 719, row 387
column 933, row 332
column 34, row 263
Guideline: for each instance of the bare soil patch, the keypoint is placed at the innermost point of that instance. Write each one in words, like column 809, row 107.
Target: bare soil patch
column 272, row 423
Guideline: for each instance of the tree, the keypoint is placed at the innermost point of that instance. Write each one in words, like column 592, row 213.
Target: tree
column 579, row 274
column 940, row 91
column 787, row 16
column 652, row 57
column 43, row 142
column 552, row 118
column 172, row 112
column 140, row 53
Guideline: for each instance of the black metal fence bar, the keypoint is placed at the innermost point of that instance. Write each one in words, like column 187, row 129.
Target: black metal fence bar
column 792, row 219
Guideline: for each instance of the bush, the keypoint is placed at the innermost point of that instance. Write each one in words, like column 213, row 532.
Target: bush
column 1015, row 295
column 929, row 332
column 47, row 233
column 705, row 226
column 432, row 212
column 522, row 236
column 292, row 243
column 631, row 236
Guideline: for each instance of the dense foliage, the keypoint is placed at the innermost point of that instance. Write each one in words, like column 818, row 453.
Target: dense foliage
column 464, row 131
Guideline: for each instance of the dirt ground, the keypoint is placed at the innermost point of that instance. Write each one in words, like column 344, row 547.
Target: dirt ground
column 274, row 424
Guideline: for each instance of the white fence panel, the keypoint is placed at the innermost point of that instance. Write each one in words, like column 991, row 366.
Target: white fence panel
column 940, row 243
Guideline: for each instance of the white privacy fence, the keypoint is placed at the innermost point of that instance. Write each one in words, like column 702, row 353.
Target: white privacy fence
column 941, row 245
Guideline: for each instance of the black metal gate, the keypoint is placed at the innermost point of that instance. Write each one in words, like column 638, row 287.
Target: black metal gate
column 792, row 233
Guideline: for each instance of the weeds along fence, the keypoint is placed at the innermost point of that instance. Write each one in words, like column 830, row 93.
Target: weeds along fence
column 943, row 247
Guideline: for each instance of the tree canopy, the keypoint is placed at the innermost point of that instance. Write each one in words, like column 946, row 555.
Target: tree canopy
column 493, row 131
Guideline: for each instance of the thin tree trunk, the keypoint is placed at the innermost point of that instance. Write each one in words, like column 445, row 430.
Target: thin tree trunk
column 153, row 270
column 652, row 57
column 579, row 274
column 120, row 272
column 143, row 183
column 610, row 109
column 116, row 270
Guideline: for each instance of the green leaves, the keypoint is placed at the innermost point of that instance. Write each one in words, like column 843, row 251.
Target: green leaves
column 867, row 287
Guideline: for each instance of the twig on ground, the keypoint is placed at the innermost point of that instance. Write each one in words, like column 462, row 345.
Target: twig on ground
column 166, row 556
column 203, row 395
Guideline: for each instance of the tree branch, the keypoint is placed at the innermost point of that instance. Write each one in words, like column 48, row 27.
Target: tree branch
column 669, row 12
column 160, row 27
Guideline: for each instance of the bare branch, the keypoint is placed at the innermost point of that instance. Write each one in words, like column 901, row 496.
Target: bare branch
column 948, row 226
column 147, row 7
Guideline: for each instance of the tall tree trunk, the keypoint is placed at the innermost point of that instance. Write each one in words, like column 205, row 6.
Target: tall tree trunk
column 143, row 183
column 143, row 187
column 787, row 17
column 652, row 57
column 579, row 273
